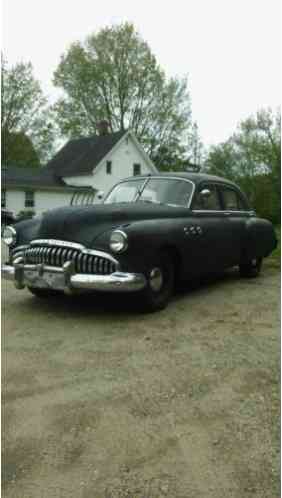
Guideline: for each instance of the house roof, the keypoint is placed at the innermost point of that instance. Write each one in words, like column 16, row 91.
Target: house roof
column 32, row 178
column 81, row 156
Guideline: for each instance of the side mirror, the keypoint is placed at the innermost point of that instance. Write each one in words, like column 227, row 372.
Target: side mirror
column 205, row 193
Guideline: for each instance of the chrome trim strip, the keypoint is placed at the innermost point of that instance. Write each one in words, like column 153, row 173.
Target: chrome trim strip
column 54, row 242
column 79, row 259
column 100, row 266
column 84, row 263
column 222, row 211
column 101, row 254
column 57, row 258
column 95, row 264
column 89, row 265
column 19, row 248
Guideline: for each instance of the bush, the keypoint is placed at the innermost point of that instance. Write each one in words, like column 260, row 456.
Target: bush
column 25, row 214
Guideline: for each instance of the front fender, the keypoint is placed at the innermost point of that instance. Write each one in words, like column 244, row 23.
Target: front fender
column 27, row 230
column 145, row 240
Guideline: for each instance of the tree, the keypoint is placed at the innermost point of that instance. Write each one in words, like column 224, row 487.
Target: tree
column 181, row 156
column 252, row 158
column 223, row 160
column 17, row 149
column 259, row 141
column 25, row 117
column 113, row 75
column 195, row 147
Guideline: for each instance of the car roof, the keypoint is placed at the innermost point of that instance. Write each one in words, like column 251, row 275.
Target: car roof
column 193, row 177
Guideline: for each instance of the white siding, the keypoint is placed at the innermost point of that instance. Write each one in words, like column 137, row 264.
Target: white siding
column 43, row 200
column 15, row 200
column 123, row 158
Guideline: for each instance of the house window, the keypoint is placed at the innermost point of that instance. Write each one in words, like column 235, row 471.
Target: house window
column 29, row 199
column 136, row 169
column 3, row 198
column 109, row 167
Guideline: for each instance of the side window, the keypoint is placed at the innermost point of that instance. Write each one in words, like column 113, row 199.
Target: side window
column 232, row 201
column 207, row 203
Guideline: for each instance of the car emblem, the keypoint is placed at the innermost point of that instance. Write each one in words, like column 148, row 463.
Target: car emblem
column 193, row 230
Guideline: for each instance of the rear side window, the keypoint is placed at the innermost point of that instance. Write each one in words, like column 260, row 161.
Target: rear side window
column 207, row 203
column 232, row 200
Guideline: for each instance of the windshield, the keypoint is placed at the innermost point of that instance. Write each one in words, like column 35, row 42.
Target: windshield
column 154, row 190
column 125, row 192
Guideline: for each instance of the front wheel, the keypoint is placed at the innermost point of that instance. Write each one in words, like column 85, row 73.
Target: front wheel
column 251, row 269
column 160, row 284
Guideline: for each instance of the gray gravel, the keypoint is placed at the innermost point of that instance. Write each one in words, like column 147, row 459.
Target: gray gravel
column 103, row 402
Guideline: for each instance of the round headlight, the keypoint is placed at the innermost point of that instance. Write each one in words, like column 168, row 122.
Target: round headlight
column 9, row 235
column 118, row 241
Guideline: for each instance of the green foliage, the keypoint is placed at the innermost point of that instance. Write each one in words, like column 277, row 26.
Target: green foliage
column 223, row 160
column 17, row 149
column 113, row 75
column 274, row 260
column 25, row 119
column 252, row 158
column 26, row 214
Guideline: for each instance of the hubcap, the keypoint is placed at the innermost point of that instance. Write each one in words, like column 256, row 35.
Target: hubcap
column 254, row 262
column 156, row 279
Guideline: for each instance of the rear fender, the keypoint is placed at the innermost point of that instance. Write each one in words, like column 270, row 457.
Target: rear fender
column 259, row 239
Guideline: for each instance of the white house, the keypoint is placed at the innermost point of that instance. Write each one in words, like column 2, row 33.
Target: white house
column 87, row 164
column 29, row 189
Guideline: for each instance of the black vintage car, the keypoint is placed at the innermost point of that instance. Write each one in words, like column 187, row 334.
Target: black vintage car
column 149, row 232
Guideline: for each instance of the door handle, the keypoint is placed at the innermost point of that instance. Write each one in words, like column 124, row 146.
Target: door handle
column 226, row 213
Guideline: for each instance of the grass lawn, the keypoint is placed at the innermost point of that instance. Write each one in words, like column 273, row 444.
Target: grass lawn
column 274, row 260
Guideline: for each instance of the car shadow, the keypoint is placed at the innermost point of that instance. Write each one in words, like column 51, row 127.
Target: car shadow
column 112, row 304
column 207, row 281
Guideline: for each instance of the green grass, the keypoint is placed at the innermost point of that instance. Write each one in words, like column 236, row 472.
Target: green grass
column 274, row 260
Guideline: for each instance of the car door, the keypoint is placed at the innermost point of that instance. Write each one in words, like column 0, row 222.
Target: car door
column 211, row 226
column 236, row 212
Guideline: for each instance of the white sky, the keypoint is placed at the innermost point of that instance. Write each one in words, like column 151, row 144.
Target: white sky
column 230, row 49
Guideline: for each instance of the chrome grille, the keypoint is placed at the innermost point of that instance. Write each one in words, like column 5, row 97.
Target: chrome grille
column 84, row 262
column 17, row 252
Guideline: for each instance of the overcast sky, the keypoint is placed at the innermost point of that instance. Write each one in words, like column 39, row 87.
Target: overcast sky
column 230, row 49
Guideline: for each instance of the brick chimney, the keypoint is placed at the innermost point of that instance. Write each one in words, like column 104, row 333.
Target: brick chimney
column 103, row 127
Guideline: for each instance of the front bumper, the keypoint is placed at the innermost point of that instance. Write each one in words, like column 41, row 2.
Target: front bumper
column 64, row 279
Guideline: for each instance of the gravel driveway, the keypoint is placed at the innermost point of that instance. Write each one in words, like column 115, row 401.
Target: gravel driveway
column 102, row 402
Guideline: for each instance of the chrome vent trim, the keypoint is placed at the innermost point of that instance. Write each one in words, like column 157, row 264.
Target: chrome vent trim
column 56, row 252
column 17, row 252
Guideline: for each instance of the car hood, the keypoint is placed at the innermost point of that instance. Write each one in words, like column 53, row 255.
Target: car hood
column 83, row 224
